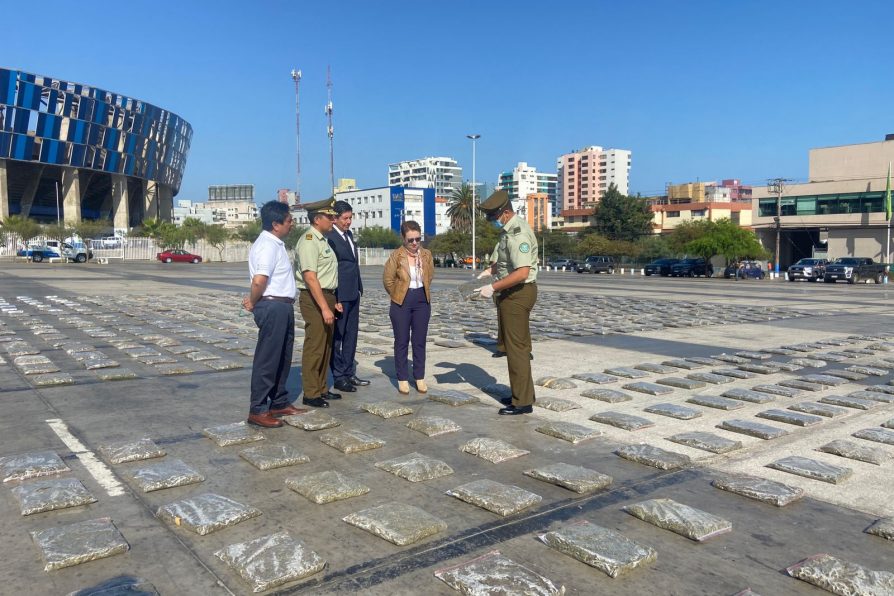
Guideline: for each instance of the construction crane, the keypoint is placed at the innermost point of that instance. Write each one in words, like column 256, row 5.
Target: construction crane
column 296, row 76
column 331, row 130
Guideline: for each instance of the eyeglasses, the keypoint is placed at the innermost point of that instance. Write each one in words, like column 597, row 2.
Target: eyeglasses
column 414, row 240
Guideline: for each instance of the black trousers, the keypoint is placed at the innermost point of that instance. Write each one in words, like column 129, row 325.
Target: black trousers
column 410, row 324
column 273, row 354
column 344, row 341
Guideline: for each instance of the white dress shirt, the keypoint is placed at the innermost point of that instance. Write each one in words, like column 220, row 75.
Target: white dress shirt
column 348, row 239
column 268, row 257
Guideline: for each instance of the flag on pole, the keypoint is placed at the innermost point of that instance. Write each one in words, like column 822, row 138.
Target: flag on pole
column 888, row 195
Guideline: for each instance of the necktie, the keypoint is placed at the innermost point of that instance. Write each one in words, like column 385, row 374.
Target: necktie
column 353, row 246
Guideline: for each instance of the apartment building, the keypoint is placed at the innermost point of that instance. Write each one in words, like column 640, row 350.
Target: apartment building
column 443, row 174
column 525, row 180
column 583, row 176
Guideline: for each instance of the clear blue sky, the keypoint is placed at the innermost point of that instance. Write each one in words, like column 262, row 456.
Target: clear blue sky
column 697, row 90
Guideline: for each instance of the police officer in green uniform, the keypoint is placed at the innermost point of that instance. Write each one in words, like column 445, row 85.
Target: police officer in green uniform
column 515, row 289
column 316, row 272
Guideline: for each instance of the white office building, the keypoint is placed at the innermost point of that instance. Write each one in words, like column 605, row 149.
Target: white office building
column 230, row 214
column 387, row 207
column 525, row 180
column 440, row 173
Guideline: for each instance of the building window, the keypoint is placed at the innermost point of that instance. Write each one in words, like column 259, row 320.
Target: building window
column 673, row 213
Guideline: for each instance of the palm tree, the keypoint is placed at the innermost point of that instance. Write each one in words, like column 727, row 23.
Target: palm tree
column 459, row 208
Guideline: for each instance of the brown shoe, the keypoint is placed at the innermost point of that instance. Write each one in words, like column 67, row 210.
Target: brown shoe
column 264, row 420
column 286, row 411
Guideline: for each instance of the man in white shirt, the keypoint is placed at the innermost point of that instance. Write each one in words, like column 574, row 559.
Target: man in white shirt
column 272, row 301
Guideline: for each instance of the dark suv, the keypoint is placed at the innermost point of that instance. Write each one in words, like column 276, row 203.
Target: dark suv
column 597, row 265
column 692, row 268
column 661, row 267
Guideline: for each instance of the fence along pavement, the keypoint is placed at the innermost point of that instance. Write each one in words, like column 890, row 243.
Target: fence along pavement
column 145, row 249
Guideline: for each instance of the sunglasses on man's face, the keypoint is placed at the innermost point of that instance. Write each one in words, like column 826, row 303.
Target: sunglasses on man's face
column 414, row 240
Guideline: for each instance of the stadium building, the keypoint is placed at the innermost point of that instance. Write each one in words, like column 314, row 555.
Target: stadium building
column 70, row 151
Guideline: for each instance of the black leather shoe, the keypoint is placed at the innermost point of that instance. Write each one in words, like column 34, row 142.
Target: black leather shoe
column 358, row 382
column 330, row 395
column 516, row 410
column 498, row 355
column 506, row 401
column 316, row 402
column 344, row 386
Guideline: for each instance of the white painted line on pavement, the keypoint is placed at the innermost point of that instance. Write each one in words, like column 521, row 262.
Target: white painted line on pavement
column 100, row 472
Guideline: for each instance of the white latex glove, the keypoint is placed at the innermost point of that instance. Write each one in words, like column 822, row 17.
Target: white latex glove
column 486, row 291
column 485, row 273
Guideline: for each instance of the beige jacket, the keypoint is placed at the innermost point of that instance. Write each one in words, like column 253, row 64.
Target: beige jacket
column 397, row 274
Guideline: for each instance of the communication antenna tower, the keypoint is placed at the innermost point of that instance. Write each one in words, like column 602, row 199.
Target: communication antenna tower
column 330, row 129
column 296, row 76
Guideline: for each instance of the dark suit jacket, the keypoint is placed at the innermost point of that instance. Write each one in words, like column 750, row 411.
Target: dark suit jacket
column 350, row 286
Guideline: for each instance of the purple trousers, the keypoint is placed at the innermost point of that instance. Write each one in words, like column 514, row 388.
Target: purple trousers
column 410, row 324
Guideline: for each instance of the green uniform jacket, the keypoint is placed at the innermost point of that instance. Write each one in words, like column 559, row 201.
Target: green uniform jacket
column 517, row 248
column 315, row 254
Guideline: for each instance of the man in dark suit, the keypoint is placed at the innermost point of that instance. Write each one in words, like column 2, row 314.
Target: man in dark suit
column 350, row 288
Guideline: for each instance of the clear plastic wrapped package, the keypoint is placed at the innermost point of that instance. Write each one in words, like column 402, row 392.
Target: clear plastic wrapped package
column 842, row 577
column 65, row 546
column 452, row 397
column 493, row 574
column 415, row 467
column 167, row 473
column 811, row 468
column 654, row 456
column 269, row 457
column 568, row 431
column 856, row 451
column 236, row 433
column 575, row 478
column 492, row 450
column 556, row 404
column 326, row 487
column 555, row 383
column 351, row 441
column 273, row 560
column 433, row 426
column 121, row 453
column 706, row 442
column 883, row 528
column 387, row 409
column 501, row 499
column 607, row 550
column 206, row 513
column 50, row 494
column 312, row 420
column 623, row 421
column 760, row 489
column 679, row 518
column 31, row 465
column 398, row 523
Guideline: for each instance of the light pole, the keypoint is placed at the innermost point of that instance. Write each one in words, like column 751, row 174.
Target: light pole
column 474, row 199
column 296, row 76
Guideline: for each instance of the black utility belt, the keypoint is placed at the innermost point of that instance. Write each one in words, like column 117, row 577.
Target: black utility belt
column 279, row 299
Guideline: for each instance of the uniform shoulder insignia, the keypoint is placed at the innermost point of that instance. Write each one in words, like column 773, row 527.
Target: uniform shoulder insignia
column 516, row 231
column 309, row 237
column 524, row 247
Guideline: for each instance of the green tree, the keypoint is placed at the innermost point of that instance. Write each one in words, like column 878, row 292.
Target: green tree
column 726, row 239
column 378, row 237
column 150, row 228
column 486, row 237
column 57, row 231
column 620, row 217
column 192, row 230
column 451, row 243
column 91, row 228
column 169, row 236
column 249, row 232
column 22, row 227
column 654, row 247
column 459, row 208
column 217, row 237
column 557, row 244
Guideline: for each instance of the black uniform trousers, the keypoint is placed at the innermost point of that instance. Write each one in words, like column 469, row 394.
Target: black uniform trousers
column 344, row 342
column 273, row 354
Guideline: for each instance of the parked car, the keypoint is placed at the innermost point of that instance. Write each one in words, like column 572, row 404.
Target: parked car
column 564, row 264
column 446, row 262
column 178, row 256
column 809, row 269
column 597, row 264
column 38, row 252
column 72, row 249
column 854, row 270
column 746, row 270
column 661, row 267
column 108, row 241
column 692, row 268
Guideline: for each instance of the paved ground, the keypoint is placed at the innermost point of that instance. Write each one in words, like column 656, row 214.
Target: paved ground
column 583, row 324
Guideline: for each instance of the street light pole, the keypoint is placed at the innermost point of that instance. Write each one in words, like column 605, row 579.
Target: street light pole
column 777, row 185
column 474, row 138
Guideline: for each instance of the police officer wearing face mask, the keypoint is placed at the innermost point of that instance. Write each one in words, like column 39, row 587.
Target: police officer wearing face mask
column 515, row 289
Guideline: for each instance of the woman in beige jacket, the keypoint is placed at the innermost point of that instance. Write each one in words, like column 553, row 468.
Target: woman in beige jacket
column 407, row 278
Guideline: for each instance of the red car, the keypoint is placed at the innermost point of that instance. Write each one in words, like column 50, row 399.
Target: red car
column 179, row 256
